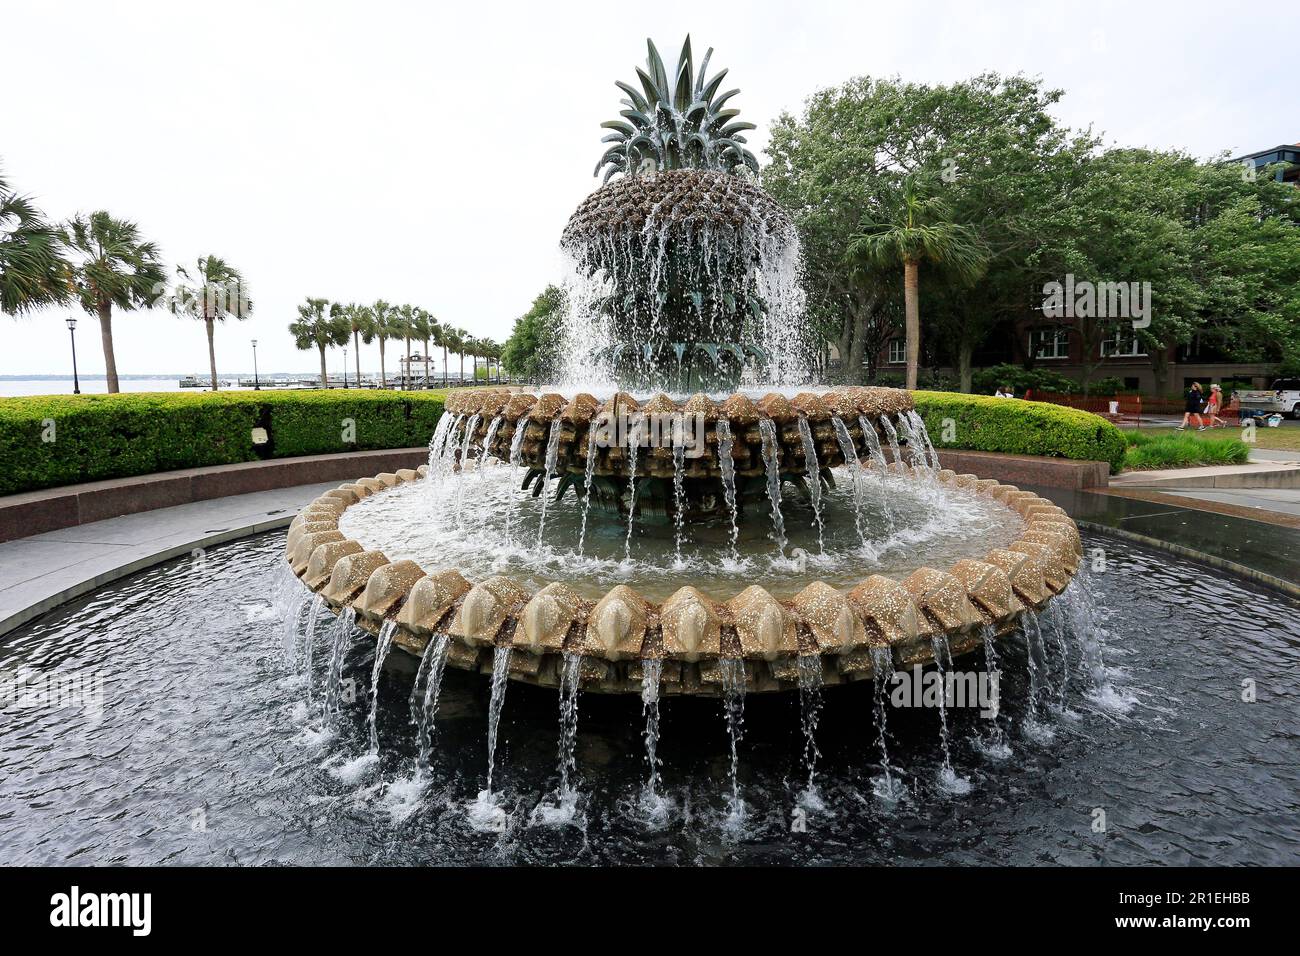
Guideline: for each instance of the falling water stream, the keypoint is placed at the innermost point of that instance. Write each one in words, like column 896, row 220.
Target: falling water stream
column 948, row 778
column 588, row 485
column 728, row 467
column 772, row 469
column 384, row 645
column 810, row 706
column 850, row 453
column 892, row 434
column 814, row 478
column 633, row 444
column 732, row 672
column 882, row 675
column 434, row 664
column 882, row 469
column 343, row 628
column 552, row 454
column 500, row 671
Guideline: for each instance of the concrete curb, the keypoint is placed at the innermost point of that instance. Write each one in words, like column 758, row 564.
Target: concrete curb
column 140, row 563
column 51, row 509
column 1287, row 588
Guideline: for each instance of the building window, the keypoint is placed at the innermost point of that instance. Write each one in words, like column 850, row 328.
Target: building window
column 1049, row 343
column 897, row 351
column 1123, row 344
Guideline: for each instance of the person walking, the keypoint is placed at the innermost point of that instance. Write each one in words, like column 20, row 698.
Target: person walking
column 1212, row 406
column 1192, row 403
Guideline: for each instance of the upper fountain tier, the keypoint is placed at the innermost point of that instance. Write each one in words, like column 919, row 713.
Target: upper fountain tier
column 692, row 275
column 704, row 440
column 684, row 273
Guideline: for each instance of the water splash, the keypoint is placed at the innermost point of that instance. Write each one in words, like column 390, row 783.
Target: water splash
column 385, row 644
column 772, row 469
column 814, row 478
column 727, row 465
column 732, row 672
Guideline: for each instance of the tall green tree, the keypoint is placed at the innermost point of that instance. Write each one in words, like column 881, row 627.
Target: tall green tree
column 423, row 329
column 361, row 322
column 383, row 328
column 212, row 292
column 919, row 231
column 529, row 352
column 405, row 328
column 112, row 266
column 33, row 270
column 319, row 326
column 988, row 146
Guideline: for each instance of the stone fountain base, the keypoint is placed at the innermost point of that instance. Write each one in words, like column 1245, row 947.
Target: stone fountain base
column 852, row 631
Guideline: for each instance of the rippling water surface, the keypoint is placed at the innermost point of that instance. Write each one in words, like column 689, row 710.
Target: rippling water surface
column 207, row 749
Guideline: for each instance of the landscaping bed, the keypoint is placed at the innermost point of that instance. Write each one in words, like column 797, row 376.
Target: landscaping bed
column 47, row 441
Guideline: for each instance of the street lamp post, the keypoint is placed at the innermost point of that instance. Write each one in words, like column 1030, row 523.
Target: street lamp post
column 72, row 333
column 345, row 367
column 257, row 386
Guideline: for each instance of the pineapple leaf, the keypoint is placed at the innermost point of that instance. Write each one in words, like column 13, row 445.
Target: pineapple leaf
column 638, row 101
column 712, row 86
column 704, row 68
column 656, row 64
column 619, row 125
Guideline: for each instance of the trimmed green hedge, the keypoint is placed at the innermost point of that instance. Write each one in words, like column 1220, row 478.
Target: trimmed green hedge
column 47, row 441
column 1016, row 427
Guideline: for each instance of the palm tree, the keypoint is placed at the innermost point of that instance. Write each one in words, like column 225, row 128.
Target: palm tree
column 383, row 326
column 442, row 337
column 918, row 233
column 455, row 341
column 319, row 326
column 112, row 266
column 32, row 267
column 423, row 328
column 361, row 321
column 215, row 291
column 405, row 327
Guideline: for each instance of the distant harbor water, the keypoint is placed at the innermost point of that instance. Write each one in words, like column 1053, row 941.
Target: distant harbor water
column 11, row 386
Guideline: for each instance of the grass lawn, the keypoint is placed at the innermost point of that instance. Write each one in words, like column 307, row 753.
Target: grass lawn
column 1278, row 439
column 1148, row 450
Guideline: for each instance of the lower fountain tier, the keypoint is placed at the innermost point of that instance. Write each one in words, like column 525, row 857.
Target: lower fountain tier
column 560, row 434
column 852, row 631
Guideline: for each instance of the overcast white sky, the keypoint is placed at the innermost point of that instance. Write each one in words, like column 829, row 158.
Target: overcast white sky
column 432, row 154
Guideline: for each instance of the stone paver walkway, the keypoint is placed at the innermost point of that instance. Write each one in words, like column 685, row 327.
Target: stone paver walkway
column 44, row 570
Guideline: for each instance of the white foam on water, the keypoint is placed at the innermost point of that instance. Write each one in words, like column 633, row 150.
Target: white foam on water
column 351, row 772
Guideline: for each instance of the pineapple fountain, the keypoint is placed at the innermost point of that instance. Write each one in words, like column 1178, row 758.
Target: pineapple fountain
column 721, row 537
